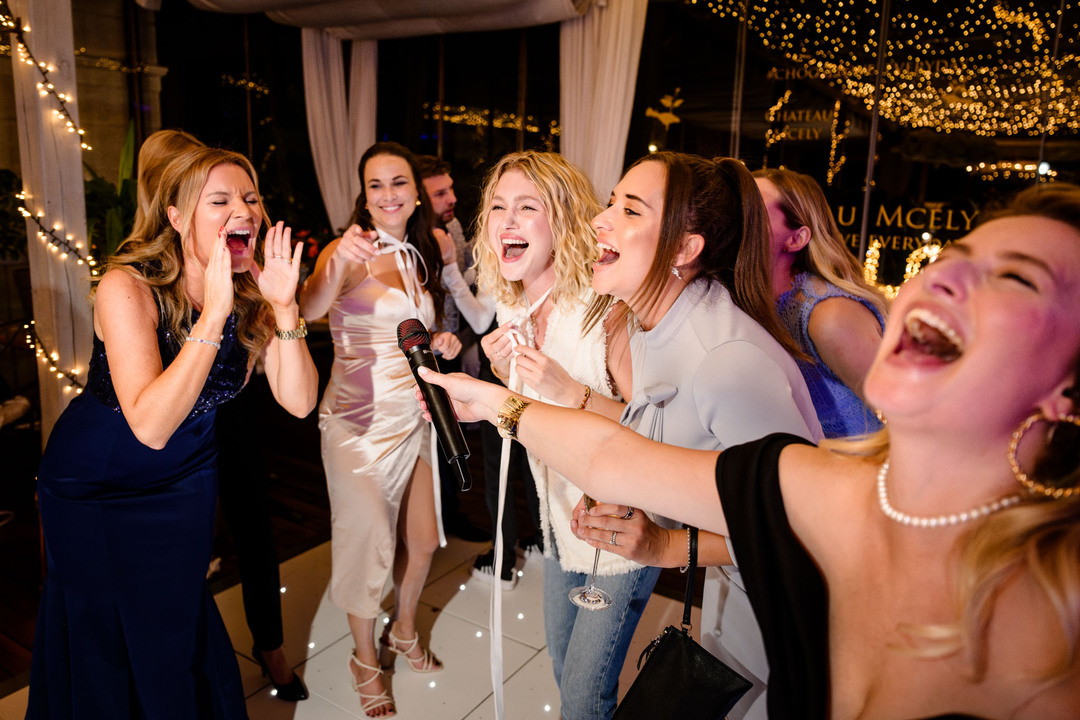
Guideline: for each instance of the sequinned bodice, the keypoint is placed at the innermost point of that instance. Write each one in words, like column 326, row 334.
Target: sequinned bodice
column 225, row 380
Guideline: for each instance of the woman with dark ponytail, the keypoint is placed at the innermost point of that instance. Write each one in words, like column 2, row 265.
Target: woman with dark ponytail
column 711, row 362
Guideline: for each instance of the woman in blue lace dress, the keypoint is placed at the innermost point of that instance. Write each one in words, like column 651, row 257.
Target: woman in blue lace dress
column 833, row 313
column 127, row 627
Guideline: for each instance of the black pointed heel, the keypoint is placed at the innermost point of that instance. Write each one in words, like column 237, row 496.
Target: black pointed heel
column 293, row 691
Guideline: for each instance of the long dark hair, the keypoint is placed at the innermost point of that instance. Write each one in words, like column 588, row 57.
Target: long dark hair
column 719, row 200
column 419, row 230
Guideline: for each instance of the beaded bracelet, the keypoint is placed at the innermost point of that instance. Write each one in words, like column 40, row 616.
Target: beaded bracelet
column 688, row 552
column 212, row 343
column 585, row 400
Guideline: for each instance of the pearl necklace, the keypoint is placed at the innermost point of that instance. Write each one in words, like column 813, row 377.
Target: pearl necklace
column 941, row 520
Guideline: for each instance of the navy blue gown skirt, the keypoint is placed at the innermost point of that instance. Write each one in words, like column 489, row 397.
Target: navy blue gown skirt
column 127, row 627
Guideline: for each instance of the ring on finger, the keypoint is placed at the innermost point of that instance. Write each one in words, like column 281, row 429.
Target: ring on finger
column 613, row 534
column 629, row 513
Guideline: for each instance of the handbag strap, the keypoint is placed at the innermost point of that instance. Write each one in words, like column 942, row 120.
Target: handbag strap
column 689, row 602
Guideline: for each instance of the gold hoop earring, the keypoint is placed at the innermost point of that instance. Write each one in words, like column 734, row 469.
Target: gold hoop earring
column 1021, row 476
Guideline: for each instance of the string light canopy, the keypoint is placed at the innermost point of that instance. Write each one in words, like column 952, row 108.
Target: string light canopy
column 988, row 67
column 483, row 117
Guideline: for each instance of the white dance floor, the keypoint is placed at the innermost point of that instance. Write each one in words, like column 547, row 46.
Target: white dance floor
column 454, row 612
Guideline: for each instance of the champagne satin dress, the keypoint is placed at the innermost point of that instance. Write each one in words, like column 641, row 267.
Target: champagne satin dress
column 372, row 435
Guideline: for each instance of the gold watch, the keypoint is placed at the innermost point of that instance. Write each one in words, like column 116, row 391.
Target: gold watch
column 509, row 415
column 299, row 332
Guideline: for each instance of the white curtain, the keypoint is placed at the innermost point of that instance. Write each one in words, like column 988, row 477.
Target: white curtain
column 51, row 162
column 341, row 125
column 598, row 67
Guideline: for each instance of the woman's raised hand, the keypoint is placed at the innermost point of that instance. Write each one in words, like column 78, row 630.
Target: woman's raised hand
column 357, row 245
column 547, row 377
column 218, row 280
column 280, row 273
column 446, row 247
column 499, row 348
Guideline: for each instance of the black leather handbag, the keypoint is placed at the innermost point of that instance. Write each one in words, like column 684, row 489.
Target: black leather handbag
column 680, row 679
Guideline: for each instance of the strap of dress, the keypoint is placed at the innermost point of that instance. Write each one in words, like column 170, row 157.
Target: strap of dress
column 520, row 332
column 408, row 258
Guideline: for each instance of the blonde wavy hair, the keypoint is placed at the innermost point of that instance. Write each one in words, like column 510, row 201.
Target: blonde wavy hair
column 156, row 254
column 803, row 204
column 570, row 203
column 1040, row 537
column 155, row 154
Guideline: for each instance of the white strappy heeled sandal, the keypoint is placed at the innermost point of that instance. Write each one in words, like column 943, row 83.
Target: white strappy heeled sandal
column 426, row 663
column 369, row 702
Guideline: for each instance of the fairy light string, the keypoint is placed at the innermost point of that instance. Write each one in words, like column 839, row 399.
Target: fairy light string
column 52, row 360
column 64, row 245
column 45, row 86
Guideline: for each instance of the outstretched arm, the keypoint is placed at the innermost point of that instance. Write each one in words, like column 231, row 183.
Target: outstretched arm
column 478, row 310
column 606, row 460
column 340, row 261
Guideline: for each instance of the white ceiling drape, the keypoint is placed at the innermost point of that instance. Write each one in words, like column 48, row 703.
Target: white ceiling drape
column 341, row 124
column 600, row 46
column 598, row 65
column 384, row 19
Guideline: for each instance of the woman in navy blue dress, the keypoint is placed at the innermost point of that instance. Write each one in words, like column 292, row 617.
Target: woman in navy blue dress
column 127, row 627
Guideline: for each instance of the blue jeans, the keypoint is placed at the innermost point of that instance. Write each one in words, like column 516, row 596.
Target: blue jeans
column 587, row 647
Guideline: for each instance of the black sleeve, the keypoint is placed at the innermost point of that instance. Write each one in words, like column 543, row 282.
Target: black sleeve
column 784, row 585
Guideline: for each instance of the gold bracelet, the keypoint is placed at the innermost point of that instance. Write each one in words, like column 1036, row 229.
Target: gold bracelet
column 299, row 332
column 509, row 415
column 585, row 400
column 496, row 373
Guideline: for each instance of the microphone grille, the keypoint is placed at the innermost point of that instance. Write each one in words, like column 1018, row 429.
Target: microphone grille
column 410, row 333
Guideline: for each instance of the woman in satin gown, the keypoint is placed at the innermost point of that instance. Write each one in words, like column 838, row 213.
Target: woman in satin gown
column 385, row 268
column 127, row 627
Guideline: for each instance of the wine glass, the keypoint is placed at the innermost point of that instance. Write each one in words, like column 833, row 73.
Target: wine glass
column 589, row 596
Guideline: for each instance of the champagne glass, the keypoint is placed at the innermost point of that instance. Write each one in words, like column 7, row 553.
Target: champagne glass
column 589, row 596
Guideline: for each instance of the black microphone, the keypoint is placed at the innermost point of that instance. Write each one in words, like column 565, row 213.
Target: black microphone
column 415, row 341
